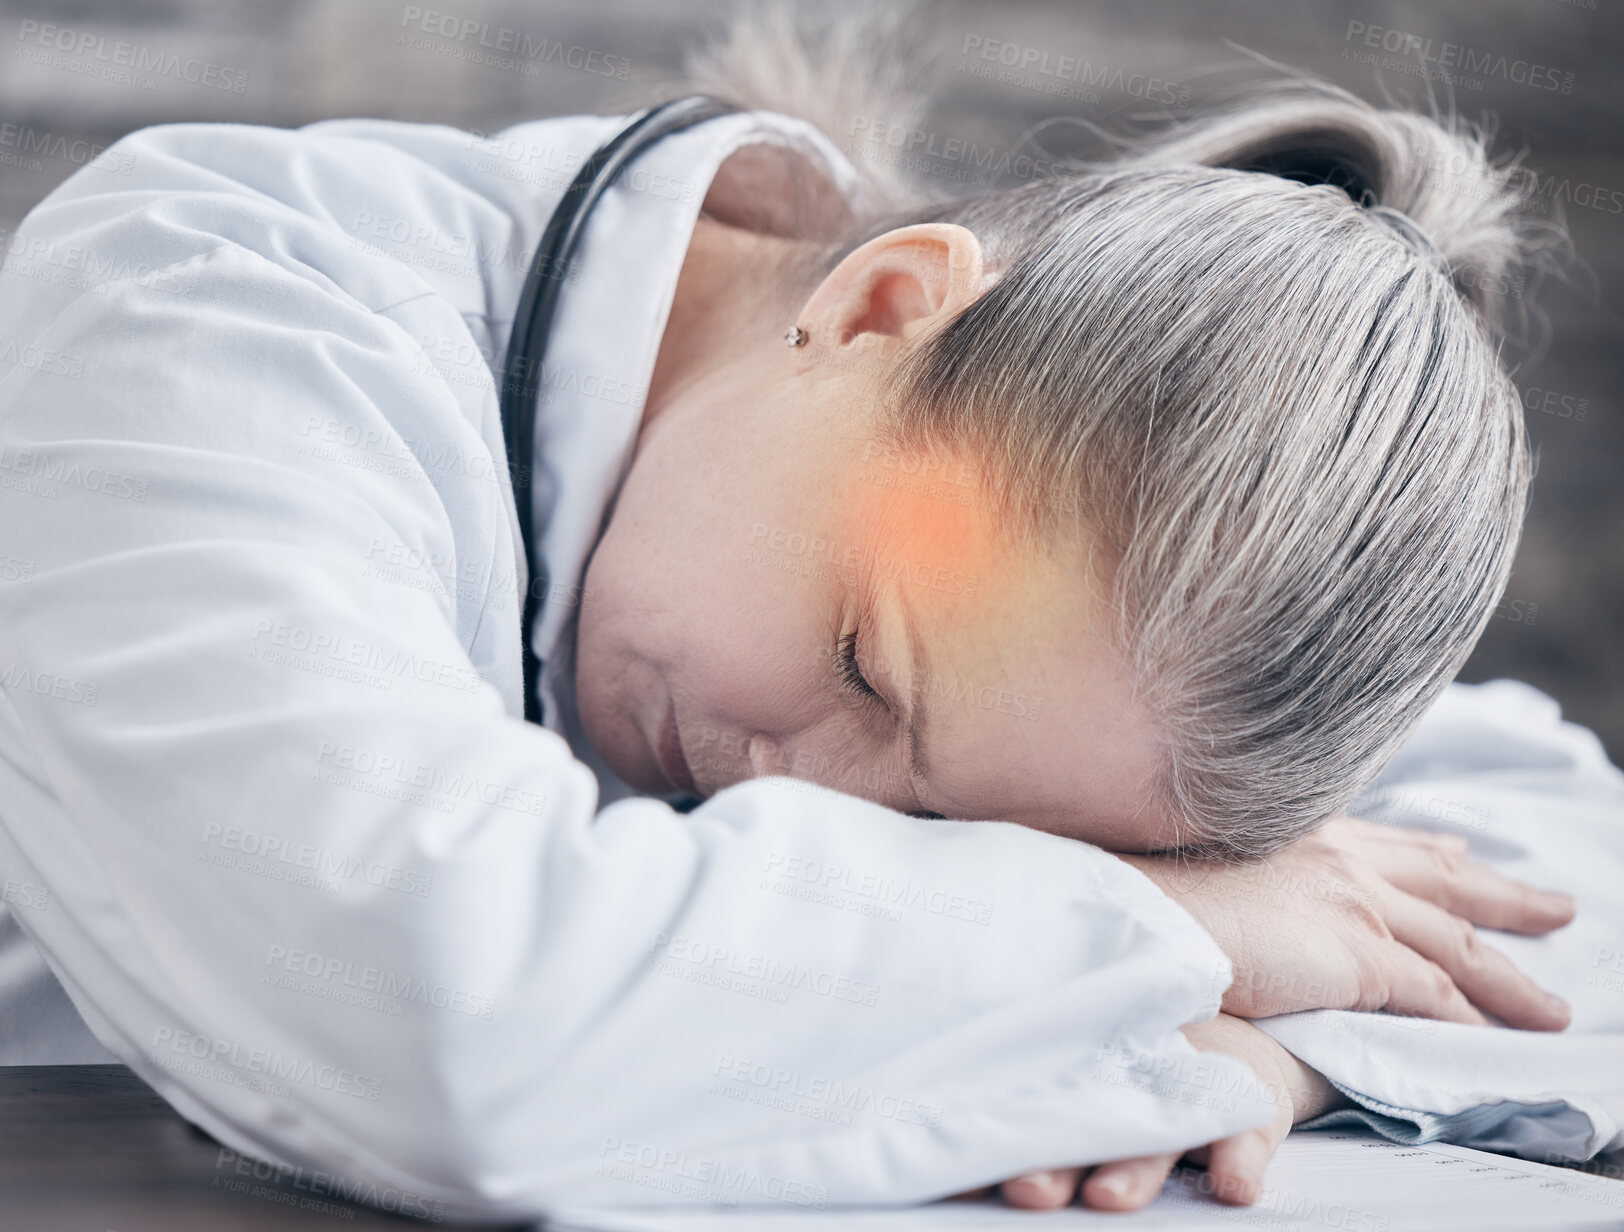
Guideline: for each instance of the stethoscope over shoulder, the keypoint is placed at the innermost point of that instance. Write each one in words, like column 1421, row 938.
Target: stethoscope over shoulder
column 532, row 322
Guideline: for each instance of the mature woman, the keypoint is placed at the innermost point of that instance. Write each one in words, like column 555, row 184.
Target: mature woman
column 1135, row 515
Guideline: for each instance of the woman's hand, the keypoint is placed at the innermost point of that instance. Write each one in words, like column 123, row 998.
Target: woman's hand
column 1234, row 1165
column 1368, row 917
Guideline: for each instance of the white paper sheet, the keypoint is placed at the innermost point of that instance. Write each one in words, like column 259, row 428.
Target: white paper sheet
column 1329, row 1179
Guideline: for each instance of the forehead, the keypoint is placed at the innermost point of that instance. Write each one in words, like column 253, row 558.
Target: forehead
column 1029, row 707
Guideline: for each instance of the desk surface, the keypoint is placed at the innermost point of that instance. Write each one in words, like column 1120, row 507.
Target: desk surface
column 92, row 1148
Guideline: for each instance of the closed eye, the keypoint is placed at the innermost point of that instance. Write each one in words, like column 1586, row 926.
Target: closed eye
column 850, row 674
column 852, row 680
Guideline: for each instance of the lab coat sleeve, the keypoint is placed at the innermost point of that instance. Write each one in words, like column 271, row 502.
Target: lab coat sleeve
column 312, row 880
column 1538, row 800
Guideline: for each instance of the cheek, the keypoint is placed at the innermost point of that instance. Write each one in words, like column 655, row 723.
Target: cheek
column 696, row 575
column 753, row 642
column 732, row 638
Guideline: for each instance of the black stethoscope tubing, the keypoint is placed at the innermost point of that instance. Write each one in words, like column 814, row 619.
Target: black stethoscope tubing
column 532, row 323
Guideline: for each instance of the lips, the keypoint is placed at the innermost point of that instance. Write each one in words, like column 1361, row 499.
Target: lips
column 672, row 762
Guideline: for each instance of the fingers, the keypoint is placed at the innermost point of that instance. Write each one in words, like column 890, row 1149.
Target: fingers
column 1235, row 1166
column 1042, row 1191
column 1418, row 987
column 1122, row 1185
column 1435, row 867
column 1127, row 1184
column 1483, row 896
column 1484, row 975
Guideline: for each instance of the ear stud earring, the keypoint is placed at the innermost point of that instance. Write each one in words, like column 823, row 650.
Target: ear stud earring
column 795, row 336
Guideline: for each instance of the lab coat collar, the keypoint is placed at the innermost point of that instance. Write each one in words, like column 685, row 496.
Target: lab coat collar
column 600, row 360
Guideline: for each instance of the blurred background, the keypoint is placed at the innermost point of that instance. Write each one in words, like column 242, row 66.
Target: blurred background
column 1017, row 78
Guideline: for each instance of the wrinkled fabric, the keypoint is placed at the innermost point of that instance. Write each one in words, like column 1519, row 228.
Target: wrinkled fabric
column 1537, row 799
column 302, row 865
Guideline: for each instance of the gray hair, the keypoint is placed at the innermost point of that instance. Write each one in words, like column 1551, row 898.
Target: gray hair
column 1256, row 356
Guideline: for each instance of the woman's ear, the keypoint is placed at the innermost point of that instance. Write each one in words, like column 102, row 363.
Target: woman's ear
column 897, row 286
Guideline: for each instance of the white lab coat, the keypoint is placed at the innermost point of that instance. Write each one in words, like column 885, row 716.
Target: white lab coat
column 308, row 871
column 1537, row 799
column 278, row 826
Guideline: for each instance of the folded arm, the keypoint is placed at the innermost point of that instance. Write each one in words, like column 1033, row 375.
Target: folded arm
column 312, row 879
column 1355, row 915
column 1534, row 799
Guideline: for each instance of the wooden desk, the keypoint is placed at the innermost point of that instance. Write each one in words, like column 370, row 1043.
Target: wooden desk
column 91, row 1148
